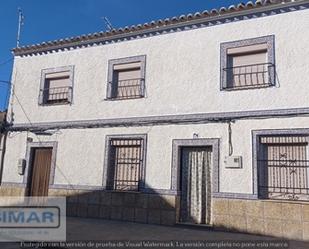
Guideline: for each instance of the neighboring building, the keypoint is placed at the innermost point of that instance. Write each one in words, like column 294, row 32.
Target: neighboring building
column 198, row 119
column 2, row 118
column 2, row 140
column 2, row 122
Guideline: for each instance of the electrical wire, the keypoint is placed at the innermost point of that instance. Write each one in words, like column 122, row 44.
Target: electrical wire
column 230, row 138
column 22, row 108
column 6, row 82
column 6, row 61
column 6, row 96
column 39, row 139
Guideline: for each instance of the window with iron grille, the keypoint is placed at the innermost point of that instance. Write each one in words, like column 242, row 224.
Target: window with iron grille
column 248, row 64
column 125, row 164
column 56, row 86
column 283, row 167
column 126, row 78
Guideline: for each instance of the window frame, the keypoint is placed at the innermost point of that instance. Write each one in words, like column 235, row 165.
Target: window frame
column 45, row 72
column 256, row 149
column 110, row 77
column 270, row 43
column 107, row 160
column 285, row 143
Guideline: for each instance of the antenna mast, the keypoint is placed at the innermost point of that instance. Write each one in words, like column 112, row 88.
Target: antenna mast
column 108, row 23
column 20, row 23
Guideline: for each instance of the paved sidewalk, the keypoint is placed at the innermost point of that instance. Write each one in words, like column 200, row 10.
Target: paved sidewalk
column 91, row 231
column 98, row 230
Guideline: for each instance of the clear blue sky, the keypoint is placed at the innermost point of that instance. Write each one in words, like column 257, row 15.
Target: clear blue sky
column 54, row 19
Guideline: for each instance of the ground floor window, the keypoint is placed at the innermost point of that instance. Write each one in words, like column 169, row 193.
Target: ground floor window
column 125, row 164
column 283, row 167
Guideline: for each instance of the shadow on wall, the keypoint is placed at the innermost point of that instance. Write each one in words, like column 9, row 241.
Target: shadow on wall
column 152, row 208
column 155, row 208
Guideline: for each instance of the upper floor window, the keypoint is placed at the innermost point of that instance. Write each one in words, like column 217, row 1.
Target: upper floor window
column 56, row 86
column 248, row 63
column 126, row 78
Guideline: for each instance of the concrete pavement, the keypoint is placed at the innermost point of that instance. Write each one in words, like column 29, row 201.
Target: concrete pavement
column 97, row 233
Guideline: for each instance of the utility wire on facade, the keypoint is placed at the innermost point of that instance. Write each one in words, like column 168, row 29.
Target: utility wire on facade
column 23, row 110
column 230, row 138
column 39, row 139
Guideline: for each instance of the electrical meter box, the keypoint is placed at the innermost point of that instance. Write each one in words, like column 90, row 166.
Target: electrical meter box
column 21, row 166
column 234, row 162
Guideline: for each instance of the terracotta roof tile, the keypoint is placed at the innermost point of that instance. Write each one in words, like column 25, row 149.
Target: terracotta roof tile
column 167, row 21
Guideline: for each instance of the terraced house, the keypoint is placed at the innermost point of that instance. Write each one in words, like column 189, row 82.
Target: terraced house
column 199, row 119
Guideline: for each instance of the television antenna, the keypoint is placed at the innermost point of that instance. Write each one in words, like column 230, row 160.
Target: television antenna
column 21, row 19
column 107, row 23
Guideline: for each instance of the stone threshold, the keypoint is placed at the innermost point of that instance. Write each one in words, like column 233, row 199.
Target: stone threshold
column 194, row 226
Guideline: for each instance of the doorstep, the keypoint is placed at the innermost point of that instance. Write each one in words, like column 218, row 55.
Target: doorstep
column 194, row 226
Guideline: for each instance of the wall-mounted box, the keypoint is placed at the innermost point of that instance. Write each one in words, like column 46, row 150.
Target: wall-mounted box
column 233, row 162
column 21, row 166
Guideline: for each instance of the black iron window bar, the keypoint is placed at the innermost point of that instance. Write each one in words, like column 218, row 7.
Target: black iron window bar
column 125, row 164
column 283, row 167
column 285, row 178
column 246, row 76
column 127, row 89
column 56, row 95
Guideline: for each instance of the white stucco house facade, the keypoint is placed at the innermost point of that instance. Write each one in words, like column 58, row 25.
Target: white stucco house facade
column 200, row 119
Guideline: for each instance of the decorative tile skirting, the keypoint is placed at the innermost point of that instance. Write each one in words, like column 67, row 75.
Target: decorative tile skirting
column 126, row 206
column 12, row 191
column 283, row 219
column 234, row 195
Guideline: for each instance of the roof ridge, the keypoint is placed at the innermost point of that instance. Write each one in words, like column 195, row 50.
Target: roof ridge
column 154, row 24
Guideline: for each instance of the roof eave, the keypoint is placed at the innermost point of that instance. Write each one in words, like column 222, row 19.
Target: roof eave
column 107, row 36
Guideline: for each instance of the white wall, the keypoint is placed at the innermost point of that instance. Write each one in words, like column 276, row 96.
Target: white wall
column 182, row 73
column 80, row 156
column 182, row 76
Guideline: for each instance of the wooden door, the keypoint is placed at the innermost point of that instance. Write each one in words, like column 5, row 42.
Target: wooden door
column 41, row 164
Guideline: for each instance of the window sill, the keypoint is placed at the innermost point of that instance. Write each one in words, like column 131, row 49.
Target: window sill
column 122, row 99
column 246, row 87
column 55, row 104
column 124, row 191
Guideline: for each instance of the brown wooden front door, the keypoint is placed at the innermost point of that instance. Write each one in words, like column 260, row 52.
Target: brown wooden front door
column 39, row 178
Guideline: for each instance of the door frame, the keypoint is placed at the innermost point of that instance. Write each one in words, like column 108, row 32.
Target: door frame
column 30, row 148
column 178, row 144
